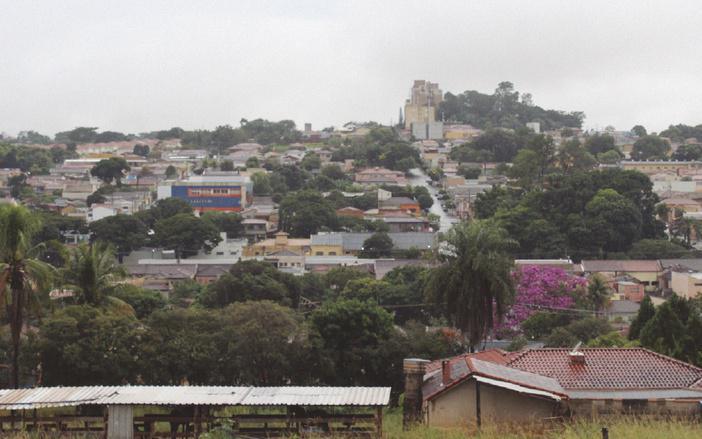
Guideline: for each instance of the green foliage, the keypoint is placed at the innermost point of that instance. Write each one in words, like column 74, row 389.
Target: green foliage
column 378, row 245
column 92, row 273
column 691, row 151
column 171, row 172
column 581, row 330
column 503, row 109
column 646, row 313
column 657, row 249
column 143, row 301
column 542, row 323
column 680, row 132
column 613, row 339
column 141, row 149
column 650, row 148
column 33, row 160
column 614, row 207
column 22, row 277
column 600, row 143
column 81, row 345
column 229, row 223
column 164, row 209
column 475, row 282
column 337, row 278
column 311, row 161
column 639, row 130
column 252, row 280
column 304, row 213
column 186, row 234
column 125, row 232
column 109, row 170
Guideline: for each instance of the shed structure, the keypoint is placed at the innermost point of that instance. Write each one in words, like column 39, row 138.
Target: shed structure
column 188, row 411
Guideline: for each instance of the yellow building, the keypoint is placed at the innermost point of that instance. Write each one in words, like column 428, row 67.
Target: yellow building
column 279, row 243
column 650, row 167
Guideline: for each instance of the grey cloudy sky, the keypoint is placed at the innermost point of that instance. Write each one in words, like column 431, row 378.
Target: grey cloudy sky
column 143, row 65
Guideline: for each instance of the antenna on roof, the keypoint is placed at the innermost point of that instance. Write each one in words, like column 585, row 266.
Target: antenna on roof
column 577, row 346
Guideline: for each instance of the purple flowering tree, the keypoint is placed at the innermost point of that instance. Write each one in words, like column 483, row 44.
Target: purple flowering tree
column 539, row 288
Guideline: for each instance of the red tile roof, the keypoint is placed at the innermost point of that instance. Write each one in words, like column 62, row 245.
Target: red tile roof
column 609, row 368
column 464, row 366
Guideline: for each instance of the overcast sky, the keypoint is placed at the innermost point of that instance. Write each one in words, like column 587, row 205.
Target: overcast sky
column 141, row 65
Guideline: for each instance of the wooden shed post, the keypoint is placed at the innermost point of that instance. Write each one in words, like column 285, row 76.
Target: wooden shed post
column 379, row 422
column 120, row 422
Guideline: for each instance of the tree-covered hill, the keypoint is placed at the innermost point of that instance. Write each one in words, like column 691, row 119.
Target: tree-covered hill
column 505, row 108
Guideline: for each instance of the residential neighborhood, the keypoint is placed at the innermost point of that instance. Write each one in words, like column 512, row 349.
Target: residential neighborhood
column 350, row 219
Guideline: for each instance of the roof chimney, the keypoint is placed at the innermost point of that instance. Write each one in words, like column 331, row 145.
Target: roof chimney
column 576, row 356
column 445, row 372
column 414, row 369
column 281, row 239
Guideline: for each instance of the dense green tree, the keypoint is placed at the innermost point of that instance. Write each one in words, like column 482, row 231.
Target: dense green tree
column 82, row 345
column 542, row 323
column 503, row 109
column 22, row 276
column 186, row 234
column 614, row 220
column 639, row 131
column 261, row 184
column 184, row 345
column 650, row 148
column 657, row 249
column 109, row 170
column 141, row 149
column 126, row 232
column 311, row 161
column 226, row 165
column 252, row 162
column 646, row 313
column 226, row 222
column 334, row 172
column 337, row 278
column 143, row 301
column 600, row 143
column 664, row 332
column 691, row 151
column 475, row 282
column 265, row 344
column 304, row 213
column 171, row 172
column 163, row 209
column 32, row 137
column 252, row 280
column 351, row 331
column 378, row 245
column 572, row 157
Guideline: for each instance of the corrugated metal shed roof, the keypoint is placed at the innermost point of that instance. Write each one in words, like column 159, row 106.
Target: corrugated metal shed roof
column 516, row 388
column 17, row 399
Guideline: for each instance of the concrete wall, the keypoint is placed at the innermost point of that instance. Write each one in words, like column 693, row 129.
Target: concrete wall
column 688, row 285
column 457, row 407
column 589, row 408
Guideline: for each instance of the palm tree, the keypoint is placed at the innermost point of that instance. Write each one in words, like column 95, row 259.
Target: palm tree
column 598, row 293
column 93, row 273
column 22, row 276
column 475, row 280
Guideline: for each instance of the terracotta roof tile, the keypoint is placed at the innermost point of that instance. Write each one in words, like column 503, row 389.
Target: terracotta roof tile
column 609, row 368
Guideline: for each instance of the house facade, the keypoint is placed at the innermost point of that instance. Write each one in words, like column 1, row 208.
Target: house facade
column 536, row 384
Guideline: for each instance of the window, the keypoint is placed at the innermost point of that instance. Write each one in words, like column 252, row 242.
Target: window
column 319, row 254
column 332, row 253
column 634, row 405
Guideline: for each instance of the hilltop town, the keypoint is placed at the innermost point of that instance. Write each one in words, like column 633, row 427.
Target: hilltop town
column 480, row 229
